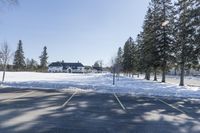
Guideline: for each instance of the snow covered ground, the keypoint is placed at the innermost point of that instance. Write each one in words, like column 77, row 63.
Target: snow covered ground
column 189, row 80
column 98, row 83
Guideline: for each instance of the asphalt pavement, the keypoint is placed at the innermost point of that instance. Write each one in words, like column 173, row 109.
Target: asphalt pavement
column 52, row 111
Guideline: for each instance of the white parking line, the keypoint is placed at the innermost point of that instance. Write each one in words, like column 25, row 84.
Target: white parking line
column 119, row 102
column 171, row 106
column 64, row 104
column 28, row 93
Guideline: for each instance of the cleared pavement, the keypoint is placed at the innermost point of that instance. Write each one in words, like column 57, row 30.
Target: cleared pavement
column 51, row 111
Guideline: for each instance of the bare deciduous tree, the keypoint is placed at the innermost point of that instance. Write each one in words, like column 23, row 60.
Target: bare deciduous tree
column 5, row 55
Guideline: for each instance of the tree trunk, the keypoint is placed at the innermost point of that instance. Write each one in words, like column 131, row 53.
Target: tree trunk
column 163, row 72
column 4, row 72
column 147, row 75
column 182, row 74
column 155, row 74
column 175, row 71
column 165, row 44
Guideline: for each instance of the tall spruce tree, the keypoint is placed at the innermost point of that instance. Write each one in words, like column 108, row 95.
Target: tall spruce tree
column 133, row 57
column 162, row 34
column 146, row 48
column 154, row 39
column 19, row 59
column 167, row 39
column 128, row 56
column 139, row 53
column 43, row 58
column 185, row 46
column 119, row 60
column 195, row 14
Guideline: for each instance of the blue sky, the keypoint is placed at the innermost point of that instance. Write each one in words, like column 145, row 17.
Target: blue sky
column 72, row 30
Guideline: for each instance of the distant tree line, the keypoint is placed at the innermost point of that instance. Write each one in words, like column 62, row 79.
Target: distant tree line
column 170, row 39
column 20, row 63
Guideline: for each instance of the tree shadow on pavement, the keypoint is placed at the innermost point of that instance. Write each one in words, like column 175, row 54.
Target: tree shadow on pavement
column 92, row 112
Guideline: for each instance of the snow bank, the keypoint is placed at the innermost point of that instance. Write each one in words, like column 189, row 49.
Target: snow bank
column 97, row 82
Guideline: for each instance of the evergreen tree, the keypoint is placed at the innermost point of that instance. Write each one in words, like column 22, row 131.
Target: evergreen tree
column 139, row 44
column 146, row 48
column 128, row 56
column 167, row 39
column 133, row 57
column 19, row 62
column 195, row 14
column 185, row 34
column 154, row 37
column 119, row 60
column 43, row 58
column 162, row 34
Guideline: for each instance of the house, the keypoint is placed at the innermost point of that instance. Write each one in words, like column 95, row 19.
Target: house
column 66, row 67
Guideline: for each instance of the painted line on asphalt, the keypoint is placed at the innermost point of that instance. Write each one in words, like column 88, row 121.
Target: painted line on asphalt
column 65, row 103
column 28, row 93
column 171, row 106
column 119, row 102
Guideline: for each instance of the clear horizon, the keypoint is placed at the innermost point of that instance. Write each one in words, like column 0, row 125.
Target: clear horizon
column 83, row 31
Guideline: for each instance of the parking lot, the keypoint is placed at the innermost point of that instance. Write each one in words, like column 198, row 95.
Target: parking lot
column 51, row 111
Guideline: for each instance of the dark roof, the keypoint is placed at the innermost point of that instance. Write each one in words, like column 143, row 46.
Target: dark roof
column 53, row 64
column 66, row 65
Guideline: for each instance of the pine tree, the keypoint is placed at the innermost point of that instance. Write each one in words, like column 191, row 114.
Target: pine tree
column 146, row 48
column 43, row 58
column 119, row 60
column 185, row 35
column 19, row 62
column 162, row 34
column 133, row 57
column 195, row 14
column 139, row 43
column 128, row 56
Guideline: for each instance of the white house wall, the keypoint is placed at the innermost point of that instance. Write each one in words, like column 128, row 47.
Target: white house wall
column 55, row 69
column 60, row 69
column 79, row 70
